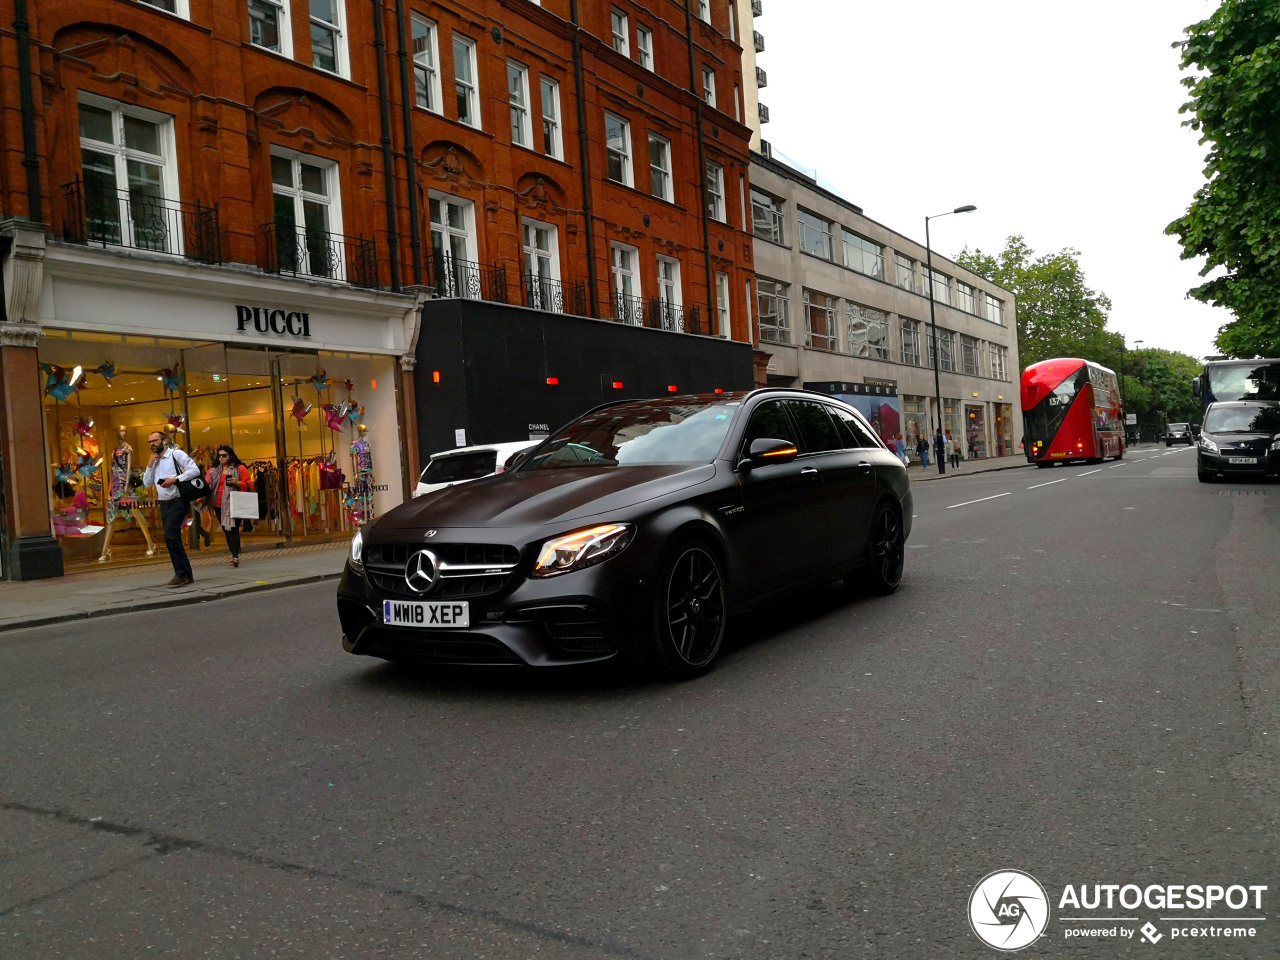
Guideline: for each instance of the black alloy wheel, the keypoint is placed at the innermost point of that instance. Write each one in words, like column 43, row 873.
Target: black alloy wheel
column 886, row 550
column 690, row 611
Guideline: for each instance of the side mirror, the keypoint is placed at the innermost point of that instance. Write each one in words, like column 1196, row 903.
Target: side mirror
column 1195, row 386
column 766, row 450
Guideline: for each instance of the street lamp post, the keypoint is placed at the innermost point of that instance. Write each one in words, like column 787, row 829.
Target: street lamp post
column 1136, row 345
column 933, row 335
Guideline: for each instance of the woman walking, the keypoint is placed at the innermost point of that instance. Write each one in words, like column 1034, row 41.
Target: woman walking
column 227, row 476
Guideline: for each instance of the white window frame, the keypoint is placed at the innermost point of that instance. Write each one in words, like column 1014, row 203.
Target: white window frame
column 666, row 178
column 966, row 297
column 166, row 160
column 181, row 8
column 627, row 306
column 549, row 92
column 472, row 86
column 910, row 330
column 822, row 231
column 620, row 29
column 901, row 263
column 993, row 309
column 704, row 11
column 715, row 192
column 628, row 174
column 342, row 65
column 775, row 215
column 457, row 281
column 780, row 294
column 670, row 294
column 426, row 63
column 859, row 322
column 832, row 336
column 331, row 198
column 518, row 98
column 644, row 46
column 941, row 287
column 538, row 296
column 283, row 26
column 724, row 318
column 709, row 85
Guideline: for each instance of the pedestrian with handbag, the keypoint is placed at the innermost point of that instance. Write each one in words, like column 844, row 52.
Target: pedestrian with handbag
column 168, row 467
column 227, row 476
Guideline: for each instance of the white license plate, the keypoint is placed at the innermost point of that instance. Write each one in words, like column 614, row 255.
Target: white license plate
column 440, row 614
column 1242, row 460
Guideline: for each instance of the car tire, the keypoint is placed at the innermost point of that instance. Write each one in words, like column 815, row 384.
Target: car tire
column 1042, row 464
column 690, row 610
column 1203, row 475
column 886, row 551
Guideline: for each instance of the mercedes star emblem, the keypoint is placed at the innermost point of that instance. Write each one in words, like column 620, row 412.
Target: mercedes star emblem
column 422, row 571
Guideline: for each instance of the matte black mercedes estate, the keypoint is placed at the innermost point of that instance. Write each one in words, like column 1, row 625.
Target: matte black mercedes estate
column 633, row 532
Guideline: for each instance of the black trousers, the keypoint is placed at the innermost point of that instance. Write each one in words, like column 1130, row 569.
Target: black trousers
column 232, row 532
column 172, row 513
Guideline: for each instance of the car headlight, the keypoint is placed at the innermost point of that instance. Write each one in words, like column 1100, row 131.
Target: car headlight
column 357, row 547
column 1275, row 445
column 582, row 548
column 1207, row 444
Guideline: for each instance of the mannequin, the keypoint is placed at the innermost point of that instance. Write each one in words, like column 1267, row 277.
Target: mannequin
column 119, row 490
column 362, row 464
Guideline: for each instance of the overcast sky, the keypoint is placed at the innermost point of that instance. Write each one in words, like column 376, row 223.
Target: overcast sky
column 1059, row 121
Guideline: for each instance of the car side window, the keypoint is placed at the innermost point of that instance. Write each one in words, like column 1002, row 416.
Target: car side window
column 816, row 428
column 849, row 424
column 768, row 421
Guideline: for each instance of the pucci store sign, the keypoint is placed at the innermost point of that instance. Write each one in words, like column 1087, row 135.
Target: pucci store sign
column 283, row 323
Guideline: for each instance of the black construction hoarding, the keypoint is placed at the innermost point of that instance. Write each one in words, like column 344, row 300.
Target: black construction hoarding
column 484, row 368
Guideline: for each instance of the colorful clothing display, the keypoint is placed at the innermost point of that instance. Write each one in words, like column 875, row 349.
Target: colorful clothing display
column 119, row 486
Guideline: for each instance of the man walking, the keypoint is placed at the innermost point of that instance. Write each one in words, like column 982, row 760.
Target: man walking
column 168, row 465
column 922, row 450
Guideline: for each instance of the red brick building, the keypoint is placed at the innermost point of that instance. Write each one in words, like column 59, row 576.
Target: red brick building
column 196, row 216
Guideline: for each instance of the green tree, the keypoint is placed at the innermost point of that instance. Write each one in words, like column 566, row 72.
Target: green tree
column 1158, row 388
column 1234, row 219
column 1058, row 314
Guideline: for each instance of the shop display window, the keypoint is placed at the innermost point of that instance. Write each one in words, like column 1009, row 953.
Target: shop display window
column 292, row 419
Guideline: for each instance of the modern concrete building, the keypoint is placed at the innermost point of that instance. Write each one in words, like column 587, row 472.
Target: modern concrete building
column 843, row 307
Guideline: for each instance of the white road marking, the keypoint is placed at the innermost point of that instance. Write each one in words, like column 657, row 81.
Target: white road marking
column 1007, row 493
column 1087, row 472
column 1114, row 465
column 1039, row 485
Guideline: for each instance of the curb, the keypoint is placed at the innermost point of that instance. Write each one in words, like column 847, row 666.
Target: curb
column 179, row 600
column 936, row 476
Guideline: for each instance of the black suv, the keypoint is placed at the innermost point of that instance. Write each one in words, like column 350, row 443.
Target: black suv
column 635, row 531
column 1178, row 433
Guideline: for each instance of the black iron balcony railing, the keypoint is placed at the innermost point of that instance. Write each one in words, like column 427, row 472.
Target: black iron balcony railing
column 450, row 277
column 300, row 252
column 658, row 314
column 131, row 218
column 543, row 293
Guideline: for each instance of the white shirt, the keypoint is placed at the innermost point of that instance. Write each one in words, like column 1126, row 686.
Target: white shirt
column 168, row 466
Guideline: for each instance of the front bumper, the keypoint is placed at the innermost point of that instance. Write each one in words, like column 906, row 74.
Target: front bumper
column 596, row 614
column 1268, row 464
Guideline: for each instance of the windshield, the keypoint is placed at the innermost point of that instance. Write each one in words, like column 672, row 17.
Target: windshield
column 1259, row 380
column 1179, row 427
column 1043, row 420
column 638, row 433
column 1246, row 418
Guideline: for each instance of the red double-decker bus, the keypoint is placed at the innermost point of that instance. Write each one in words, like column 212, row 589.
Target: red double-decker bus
column 1071, row 411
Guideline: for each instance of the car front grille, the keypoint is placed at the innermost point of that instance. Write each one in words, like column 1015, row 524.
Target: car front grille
column 443, row 649
column 467, row 570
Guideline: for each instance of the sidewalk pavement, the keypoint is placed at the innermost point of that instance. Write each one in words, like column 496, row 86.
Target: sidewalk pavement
column 967, row 467
column 96, row 593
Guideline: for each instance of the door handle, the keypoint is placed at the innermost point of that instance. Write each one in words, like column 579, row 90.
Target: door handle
column 864, row 466
column 809, row 471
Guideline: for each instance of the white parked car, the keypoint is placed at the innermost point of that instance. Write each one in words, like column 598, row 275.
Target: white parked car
column 459, row 465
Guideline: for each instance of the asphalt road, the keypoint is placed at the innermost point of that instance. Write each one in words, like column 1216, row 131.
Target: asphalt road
column 1078, row 679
